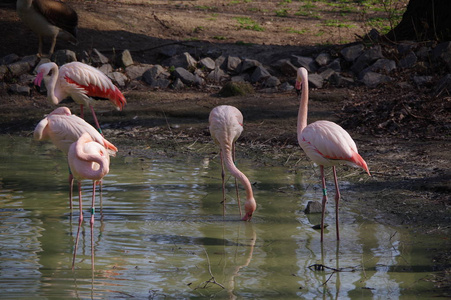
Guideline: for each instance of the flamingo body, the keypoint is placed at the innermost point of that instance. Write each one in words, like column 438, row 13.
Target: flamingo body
column 327, row 144
column 63, row 129
column 48, row 18
column 79, row 81
column 226, row 126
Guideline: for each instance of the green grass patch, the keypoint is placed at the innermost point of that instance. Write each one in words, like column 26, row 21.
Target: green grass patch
column 248, row 23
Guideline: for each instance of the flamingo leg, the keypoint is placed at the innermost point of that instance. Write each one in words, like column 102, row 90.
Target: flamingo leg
column 80, row 203
column 95, row 120
column 52, row 47
column 323, row 209
column 223, row 184
column 92, row 222
column 71, row 187
column 76, row 246
column 337, row 200
column 236, row 182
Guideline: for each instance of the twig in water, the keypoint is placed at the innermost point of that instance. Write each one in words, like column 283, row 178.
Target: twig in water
column 212, row 279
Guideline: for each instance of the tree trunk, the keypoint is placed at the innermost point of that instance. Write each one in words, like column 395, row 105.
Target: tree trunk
column 424, row 20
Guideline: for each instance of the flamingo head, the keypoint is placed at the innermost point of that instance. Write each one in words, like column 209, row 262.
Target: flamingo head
column 43, row 70
column 300, row 78
column 61, row 111
column 249, row 207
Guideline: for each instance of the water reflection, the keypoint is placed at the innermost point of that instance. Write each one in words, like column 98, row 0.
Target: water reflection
column 161, row 233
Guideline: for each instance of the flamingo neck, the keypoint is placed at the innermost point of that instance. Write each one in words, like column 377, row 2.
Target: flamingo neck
column 51, row 85
column 250, row 204
column 102, row 160
column 303, row 107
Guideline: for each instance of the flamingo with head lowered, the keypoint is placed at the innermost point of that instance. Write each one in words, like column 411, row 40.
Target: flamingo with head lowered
column 81, row 82
column 226, row 125
column 327, row 144
column 88, row 160
column 63, row 129
column 49, row 18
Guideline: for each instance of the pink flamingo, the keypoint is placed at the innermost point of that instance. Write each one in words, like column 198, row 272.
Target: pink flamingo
column 63, row 129
column 88, row 160
column 49, row 18
column 226, row 125
column 81, row 82
column 326, row 144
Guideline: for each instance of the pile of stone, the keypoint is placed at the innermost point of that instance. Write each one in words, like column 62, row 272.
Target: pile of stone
column 351, row 65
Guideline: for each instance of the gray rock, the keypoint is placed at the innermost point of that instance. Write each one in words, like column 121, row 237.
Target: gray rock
column 125, row 59
column 106, row 69
column 241, row 78
column 337, row 79
column 18, row 68
column 185, row 76
column 323, row 59
column 335, row 65
column 218, row 75
column 313, row 207
column 184, row 60
column 136, row 71
column 259, row 74
column 98, row 58
column 316, row 80
column 383, row 64
column 178, row 84
column 367, row 58
column 271, row 82
column 9, row 59
column 422, row 80
column 408, row 61
column 306, row 62
column 249, row 65
column 207, row 63
column 119, row 78
column 351, row 53
column 19, row 89
column 233, row 64
column 372, row 79
column 153, row 75
column 286, row 87
column 62, row 57
column 327, row 73
column 285, row 67
column 3, row 71
column 443, row 86
column 442, row 52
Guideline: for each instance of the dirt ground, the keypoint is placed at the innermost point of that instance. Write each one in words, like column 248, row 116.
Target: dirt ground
column 402, row 134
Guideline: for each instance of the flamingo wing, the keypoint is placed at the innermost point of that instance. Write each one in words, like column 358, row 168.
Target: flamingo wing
column 85, row 80
column 226, row 124
column 328, row 144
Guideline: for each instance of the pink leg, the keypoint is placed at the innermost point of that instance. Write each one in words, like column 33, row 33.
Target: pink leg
column 80, row 204
column 92, row 222
column 337, row 200
column 76, row 246
column 71, row 188
column 95, row 120
column 236, row 182
column 323, row 210
column 223, row 185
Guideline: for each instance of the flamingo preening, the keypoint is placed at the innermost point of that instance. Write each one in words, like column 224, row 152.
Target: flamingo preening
column 81, row 82
column 49, row 18
column 226, row 125
column 326, row 144
column 87, row 160
column 63, row 129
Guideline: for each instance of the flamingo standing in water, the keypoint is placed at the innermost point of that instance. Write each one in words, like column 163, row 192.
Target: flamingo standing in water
column 49, row 18
column 326, row 144
column 226, row 125
column 81, row 82
column 63, row 129
column 88, row 160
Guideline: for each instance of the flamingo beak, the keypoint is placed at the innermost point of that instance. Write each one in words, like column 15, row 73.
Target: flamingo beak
column 298, row 87
column 247, row 217
column 37, row 81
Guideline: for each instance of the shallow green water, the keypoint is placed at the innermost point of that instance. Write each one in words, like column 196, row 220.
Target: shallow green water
column 160, row 234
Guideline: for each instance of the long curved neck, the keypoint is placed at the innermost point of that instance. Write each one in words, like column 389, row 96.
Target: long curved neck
column 230, row 165
column 303, row 107
column 96, row 158
column 51, row 85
